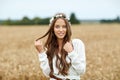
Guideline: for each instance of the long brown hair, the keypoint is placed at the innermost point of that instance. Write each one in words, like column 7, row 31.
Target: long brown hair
column 52, row 46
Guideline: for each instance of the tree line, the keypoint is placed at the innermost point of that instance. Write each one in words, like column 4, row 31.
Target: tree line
column 116, row 20
column 36, row 21
column 45, row 21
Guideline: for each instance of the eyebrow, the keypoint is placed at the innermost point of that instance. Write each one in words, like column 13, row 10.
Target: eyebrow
column 58, row 25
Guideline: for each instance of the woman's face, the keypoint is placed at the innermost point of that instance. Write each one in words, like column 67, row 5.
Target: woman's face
column 60, row 28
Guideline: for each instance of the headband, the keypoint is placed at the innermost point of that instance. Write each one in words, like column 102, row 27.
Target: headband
column 58, row 16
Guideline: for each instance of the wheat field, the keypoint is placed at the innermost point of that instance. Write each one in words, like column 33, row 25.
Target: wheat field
column 19, row 59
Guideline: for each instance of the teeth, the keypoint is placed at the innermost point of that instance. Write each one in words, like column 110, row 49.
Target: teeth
column 61, row 34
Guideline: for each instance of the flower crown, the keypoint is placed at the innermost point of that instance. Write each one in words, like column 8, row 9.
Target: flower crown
column 58, row 16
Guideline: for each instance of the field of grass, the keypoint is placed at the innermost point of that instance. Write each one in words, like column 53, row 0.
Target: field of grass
column 19, row 60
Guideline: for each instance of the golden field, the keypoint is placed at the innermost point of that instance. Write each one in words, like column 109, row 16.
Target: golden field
column 19, row 60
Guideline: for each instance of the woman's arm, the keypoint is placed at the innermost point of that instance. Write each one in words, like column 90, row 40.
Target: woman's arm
column 44, row 63
column 42, row 58
column 77, row 56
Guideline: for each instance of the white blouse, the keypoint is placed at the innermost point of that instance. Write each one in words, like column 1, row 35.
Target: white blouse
column 78, row 62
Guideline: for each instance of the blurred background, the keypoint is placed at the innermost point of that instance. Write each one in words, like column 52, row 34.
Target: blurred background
column 38, row 12
column 95, row 22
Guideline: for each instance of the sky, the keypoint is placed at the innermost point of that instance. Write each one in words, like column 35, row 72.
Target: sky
column 83, row 9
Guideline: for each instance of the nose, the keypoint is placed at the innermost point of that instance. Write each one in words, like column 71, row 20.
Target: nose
column 61, row 28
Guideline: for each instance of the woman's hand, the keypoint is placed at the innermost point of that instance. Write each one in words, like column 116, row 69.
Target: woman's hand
column 39, row 46
column 68, row 47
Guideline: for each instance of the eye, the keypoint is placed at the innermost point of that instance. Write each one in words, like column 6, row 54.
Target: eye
column 57, row 26
column 64, row 26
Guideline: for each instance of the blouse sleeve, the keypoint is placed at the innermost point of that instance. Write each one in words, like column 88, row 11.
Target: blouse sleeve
column 44, row 63
column 77, row 56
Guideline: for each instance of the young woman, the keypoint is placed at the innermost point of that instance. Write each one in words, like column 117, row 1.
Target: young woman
column 61, row 58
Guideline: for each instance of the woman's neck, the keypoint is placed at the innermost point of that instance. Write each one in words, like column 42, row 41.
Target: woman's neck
column 60, row 41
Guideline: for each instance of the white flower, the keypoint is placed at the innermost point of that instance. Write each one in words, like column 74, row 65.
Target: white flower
column 68, row 18
column 59, row 15
column 51, row 20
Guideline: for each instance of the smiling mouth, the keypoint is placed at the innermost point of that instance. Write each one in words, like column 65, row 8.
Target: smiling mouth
column 61, row 34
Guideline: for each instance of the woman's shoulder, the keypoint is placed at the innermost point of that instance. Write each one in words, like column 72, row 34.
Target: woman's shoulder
column 77, row 40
